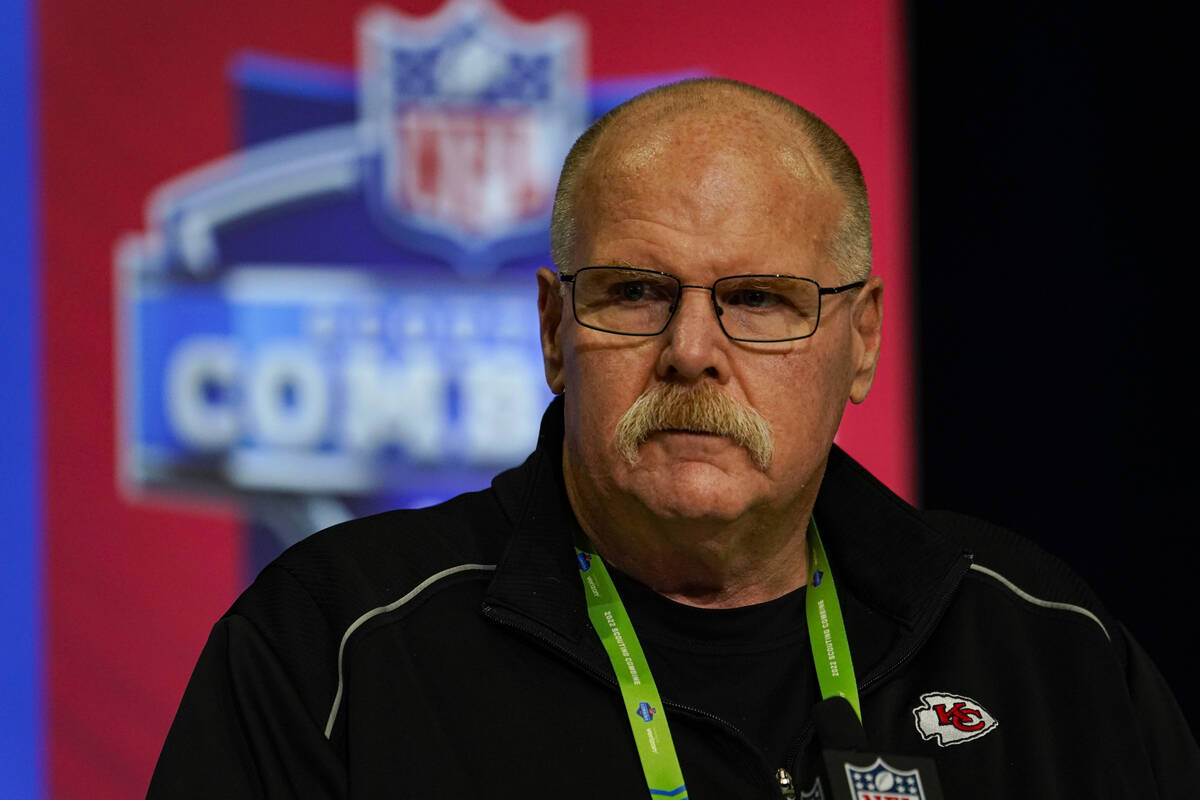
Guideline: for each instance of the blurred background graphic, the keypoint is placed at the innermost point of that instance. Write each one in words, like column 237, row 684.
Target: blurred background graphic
column 270, row 268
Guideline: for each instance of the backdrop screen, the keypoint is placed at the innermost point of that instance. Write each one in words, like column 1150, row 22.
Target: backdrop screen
column 288, row 263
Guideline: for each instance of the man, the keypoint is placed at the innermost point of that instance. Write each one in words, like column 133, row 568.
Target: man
column 655, row 561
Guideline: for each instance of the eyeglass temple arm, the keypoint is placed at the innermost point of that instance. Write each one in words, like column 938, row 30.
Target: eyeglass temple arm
column 844, row 288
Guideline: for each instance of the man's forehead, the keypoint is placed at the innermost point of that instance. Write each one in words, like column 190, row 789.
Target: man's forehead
column 738, row 136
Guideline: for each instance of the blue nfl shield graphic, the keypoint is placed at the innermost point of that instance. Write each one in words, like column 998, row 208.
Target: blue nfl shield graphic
column 472, row 113
column 881, row 781
column 334, row 319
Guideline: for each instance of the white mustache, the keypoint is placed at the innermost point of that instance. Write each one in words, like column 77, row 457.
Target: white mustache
column 705, row 409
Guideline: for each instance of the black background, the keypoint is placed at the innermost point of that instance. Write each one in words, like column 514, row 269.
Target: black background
column 1055, row 274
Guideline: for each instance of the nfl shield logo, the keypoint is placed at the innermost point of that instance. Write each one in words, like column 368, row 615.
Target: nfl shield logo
column 881, row 781
column 471, row 113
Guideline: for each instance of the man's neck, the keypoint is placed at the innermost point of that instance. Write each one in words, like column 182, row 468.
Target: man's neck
column 758, row 557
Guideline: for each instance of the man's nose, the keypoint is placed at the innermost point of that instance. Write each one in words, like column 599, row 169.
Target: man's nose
column 695, row 344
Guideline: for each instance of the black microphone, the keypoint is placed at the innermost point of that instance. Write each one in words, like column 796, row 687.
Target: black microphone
column 849, row 769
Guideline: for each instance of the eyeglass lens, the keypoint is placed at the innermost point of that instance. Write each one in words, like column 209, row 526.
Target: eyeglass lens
column 753, row 307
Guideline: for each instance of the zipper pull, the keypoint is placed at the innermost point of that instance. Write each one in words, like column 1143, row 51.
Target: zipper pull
column 786, row 787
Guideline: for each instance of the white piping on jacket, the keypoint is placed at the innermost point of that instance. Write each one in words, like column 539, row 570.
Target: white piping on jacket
column 375, row 612
column 1037, row 601
column 437, row 576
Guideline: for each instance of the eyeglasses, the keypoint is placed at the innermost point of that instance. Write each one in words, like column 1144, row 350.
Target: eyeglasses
column 749, row 308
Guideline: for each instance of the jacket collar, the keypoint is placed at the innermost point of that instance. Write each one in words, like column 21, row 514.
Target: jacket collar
column 881, row 551
column 537, row 576
column 880, row 548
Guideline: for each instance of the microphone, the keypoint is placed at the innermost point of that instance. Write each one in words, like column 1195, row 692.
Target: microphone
column 849, row 769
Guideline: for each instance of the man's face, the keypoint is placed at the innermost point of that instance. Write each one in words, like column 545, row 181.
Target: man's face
column 704, row 199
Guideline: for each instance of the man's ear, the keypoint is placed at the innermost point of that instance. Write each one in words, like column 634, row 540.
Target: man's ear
column 550, row 317
column 866, row 322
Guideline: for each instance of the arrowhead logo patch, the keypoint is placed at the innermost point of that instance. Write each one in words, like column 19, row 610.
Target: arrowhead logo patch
column 951, row 719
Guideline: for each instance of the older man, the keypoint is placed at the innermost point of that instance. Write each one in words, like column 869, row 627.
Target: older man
column 648, row 603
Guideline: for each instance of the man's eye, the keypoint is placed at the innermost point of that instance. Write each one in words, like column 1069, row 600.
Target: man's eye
column 633, row 291
column 752, row 298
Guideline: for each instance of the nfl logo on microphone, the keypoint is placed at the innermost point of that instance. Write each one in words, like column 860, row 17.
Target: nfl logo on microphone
column 881, row 781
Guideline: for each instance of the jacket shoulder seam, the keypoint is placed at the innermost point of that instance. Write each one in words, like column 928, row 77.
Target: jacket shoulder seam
column 1038, row 601
column 392, row 606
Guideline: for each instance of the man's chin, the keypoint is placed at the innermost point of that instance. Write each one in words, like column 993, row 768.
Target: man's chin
column 695, row 490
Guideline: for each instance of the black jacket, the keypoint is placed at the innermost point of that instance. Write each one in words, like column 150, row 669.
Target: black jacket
column 446, row 653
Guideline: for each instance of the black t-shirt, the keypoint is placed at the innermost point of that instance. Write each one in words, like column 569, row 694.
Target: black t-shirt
column 751, row 666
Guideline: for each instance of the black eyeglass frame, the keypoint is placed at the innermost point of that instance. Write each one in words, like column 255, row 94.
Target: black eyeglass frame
column 569, row 278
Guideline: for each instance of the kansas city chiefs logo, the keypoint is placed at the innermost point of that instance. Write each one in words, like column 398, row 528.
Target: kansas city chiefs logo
column 951, row 719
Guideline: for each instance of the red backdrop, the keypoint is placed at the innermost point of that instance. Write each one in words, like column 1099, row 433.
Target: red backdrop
column 134, row 93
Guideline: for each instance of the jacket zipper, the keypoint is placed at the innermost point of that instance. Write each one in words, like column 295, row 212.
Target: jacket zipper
column 776, row 781
column 786, row 786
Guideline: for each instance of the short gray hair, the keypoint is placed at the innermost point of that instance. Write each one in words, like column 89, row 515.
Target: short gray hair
column 851, row 244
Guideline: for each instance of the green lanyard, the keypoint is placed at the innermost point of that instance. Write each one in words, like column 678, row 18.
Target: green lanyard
column 643, row 705
column 826, row 628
